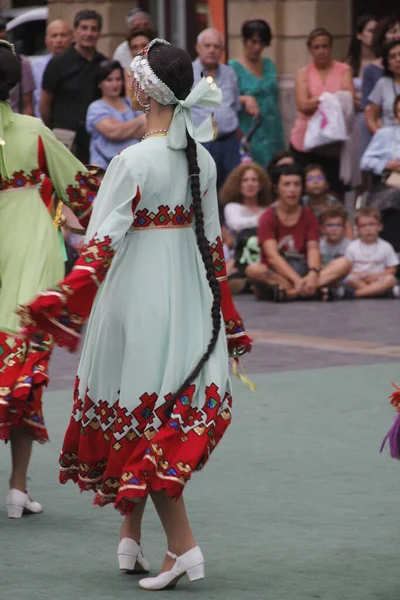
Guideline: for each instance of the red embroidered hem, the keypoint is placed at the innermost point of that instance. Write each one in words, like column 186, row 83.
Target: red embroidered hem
column 123, row 456
column 23, row 373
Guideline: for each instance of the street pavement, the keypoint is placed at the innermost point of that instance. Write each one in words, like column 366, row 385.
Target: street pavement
column 296, row 503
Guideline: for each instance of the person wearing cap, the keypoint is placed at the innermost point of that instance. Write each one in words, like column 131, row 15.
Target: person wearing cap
column 225, row 147
column 135, row 19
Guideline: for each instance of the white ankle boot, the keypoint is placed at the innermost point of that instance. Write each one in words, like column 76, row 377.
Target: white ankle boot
column 131, row 558
column 191, row 563
column 19, row 503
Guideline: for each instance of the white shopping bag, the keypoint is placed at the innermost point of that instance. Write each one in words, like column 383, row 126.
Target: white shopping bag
column 327, row 125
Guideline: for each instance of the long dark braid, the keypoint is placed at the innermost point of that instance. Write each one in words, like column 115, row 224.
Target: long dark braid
column 203, row 245
column 174, row 67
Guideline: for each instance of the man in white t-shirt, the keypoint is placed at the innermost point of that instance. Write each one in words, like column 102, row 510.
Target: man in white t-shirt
column 135, row 19
column 373, row 262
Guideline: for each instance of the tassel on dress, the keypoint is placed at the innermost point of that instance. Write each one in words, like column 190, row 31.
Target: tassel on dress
column 393, row 435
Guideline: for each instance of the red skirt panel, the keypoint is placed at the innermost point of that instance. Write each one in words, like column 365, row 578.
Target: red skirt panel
column 102, row 452
column 23, row 373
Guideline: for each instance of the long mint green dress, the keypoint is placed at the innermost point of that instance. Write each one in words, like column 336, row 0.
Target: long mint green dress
column 142, row 271
column 269, row 137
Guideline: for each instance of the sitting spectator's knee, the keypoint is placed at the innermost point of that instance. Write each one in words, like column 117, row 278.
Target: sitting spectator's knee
column 391, row 280
column 255, row 271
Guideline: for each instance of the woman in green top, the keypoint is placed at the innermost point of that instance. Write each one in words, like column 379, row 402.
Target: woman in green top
column 259, row 92
column 32, row 164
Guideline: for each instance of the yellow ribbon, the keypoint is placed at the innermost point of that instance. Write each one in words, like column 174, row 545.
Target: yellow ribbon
column 58, row 216
column 243, row 377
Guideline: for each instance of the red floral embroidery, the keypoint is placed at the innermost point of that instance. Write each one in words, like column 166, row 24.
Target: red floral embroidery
column 217, row 253
column 234, row 328
column 98, row 255
column 81, row 196
column 123, row 456
column 20, row 179
column 165, row 217
column 24, row 372
column 63, row 310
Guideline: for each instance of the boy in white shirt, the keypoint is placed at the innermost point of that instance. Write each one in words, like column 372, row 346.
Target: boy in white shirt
column 372, row 261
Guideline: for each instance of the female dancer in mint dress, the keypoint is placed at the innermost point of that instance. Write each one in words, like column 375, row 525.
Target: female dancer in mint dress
column 152, row 394
column 259, row 92
column 32, row 163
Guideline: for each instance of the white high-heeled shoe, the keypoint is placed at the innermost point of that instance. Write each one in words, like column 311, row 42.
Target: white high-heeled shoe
column 131, row 558
column 191, row 563
column 19, row 503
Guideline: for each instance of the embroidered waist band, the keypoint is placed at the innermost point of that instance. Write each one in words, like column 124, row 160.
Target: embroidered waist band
column 28, row 186
column 164, row 218
column 156, row 227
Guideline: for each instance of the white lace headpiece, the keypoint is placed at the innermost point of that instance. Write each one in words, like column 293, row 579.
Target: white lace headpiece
column 147, row 80
column 205, row 93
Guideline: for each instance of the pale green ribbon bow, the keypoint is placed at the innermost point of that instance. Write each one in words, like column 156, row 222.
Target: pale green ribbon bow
column 204, row 94
column 6, row 117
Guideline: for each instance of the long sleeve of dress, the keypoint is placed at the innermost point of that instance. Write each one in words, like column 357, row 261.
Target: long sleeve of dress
column 380, row 151
column 234, row 328
column 69, row 177
column 62, row 311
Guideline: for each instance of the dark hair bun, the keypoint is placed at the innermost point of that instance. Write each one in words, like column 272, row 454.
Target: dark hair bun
column 174, row 67
column 4, row 91
column 10, row 72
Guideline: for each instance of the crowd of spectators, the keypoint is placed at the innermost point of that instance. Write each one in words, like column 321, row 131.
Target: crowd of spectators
column 285, row 230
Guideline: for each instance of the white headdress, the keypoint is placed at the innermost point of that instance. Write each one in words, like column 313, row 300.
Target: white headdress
column 205, row 93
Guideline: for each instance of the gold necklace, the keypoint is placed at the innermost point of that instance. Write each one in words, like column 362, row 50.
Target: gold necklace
column 155, row 133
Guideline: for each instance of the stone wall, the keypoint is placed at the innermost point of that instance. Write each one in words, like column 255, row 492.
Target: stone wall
column 291, row 21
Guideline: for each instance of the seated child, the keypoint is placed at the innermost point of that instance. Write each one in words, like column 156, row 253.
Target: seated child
column 333, row 243
column 318, row 197
column 372, row 261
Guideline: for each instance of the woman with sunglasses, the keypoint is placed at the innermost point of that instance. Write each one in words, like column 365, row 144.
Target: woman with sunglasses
column 318, row 197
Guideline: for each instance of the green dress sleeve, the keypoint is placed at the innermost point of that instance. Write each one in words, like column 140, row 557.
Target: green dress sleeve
column 71, row 180
column 63, row 310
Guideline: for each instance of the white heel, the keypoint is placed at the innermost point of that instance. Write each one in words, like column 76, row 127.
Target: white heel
column 196, row 573
column 14, row 511
column 19, row 503
column 191, row 563
column 131, row 558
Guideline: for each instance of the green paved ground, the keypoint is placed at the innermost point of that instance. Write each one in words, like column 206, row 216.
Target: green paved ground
column 296, row 503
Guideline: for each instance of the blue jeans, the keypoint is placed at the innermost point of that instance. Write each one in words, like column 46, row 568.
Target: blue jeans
column 225, row 152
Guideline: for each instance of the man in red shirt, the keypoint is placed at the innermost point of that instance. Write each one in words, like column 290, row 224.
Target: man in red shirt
column 288, row 234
